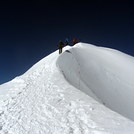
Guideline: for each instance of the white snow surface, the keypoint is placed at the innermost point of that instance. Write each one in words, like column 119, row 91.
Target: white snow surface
column 76, row 92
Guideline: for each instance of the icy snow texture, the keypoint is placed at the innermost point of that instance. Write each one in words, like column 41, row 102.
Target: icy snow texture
column 108, row 73
column 42, row 101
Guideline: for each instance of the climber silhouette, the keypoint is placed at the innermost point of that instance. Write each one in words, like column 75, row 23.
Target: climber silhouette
column 60, row 46
column 66, row 42
column 74, row 41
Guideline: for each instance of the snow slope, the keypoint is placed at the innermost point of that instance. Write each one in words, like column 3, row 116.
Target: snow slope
column 107, row 73
column 42, row 101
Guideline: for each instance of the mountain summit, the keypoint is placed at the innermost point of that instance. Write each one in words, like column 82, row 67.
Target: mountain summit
column 87, row 89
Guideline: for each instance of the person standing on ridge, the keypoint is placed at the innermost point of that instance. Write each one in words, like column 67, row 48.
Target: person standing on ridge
column 60, row 46
column 74, row 41
column 66, row 42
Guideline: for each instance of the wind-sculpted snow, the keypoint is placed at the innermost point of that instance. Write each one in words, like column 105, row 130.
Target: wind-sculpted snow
column 42, row 102
column 106, row 73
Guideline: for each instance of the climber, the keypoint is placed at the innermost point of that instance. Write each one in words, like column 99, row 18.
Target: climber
column 60, row 46
column 74, row 41
column 66, row 42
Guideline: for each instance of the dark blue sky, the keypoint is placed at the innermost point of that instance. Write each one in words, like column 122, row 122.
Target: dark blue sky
column 31, row 30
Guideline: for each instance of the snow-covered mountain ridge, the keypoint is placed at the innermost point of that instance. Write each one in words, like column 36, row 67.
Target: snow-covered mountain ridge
column 103, row 72
column 64, row 94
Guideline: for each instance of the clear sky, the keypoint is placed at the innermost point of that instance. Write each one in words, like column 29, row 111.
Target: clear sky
column 31, row 30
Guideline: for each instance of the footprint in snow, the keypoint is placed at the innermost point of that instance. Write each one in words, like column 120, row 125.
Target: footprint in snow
column 1, row 127
column 1, row 112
